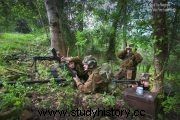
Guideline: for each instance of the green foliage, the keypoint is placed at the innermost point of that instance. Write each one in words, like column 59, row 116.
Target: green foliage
column 66, row 98
column 108, row 100
column 17, row 50
column 171, row 100
column 43, row 89
column 15, row 96
column 171, row 104
column 171, row 84
column 81, row 40
column 14, row 43
column 43, row 72
column 32, row 11
column 11, row 42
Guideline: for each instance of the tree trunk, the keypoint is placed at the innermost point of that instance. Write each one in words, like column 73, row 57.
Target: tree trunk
column 111, row 49
column 160, row 44
column 55, row 23
column 124, row 21
column 112, row 40
column 68, row 34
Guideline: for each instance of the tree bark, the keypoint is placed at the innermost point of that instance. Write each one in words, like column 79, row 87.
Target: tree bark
column 112, row 40
column 69, row 35
column 124, row 22
column 160, row 44
column 111, row 49
column 55, row 23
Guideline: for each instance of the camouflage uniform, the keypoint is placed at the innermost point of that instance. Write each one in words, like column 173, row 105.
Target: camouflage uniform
column 129, row 65
column 79, row 68
column 94, row 83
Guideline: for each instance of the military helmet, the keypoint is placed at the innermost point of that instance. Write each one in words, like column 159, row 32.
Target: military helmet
column 90, row 61
column 145, row 76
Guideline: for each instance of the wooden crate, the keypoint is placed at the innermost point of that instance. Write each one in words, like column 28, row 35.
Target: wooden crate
column 146, row 102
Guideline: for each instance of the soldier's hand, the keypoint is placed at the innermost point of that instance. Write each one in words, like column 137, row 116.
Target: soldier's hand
column 63, row 59
column 76, row 78
column 146, row 84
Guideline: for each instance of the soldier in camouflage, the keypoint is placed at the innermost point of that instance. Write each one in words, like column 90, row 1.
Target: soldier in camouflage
column 94, row 84
column 129, row 64
column 75, row 63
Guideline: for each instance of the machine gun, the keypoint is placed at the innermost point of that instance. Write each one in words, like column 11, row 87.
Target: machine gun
column 138, row 82
column 54, row 71
column 59, row 81
column 114, row 82
column 55, row 57
column 50, row 58
column 143, row 77
column 125, row 81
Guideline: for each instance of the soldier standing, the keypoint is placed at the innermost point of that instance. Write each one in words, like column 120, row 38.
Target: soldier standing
column 129, row 64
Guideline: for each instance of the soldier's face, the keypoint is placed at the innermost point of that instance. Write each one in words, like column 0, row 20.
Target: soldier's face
column 71, row 65
column 146, row 84
column 85, row 67
column 129, row 50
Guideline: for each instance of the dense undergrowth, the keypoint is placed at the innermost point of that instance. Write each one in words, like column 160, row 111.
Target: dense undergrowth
column 17, row 51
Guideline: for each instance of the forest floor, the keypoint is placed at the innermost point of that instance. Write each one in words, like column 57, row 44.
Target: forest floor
column 32, row 102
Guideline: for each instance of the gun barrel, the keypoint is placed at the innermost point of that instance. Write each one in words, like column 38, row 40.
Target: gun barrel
column 33, row 82
column 124, row 81
column 44, row 58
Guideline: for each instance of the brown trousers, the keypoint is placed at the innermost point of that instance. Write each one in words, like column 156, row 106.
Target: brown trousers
column 123, row 74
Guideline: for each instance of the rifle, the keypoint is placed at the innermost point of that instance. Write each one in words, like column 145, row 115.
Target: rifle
column 125, row 81
column 32, row 82
column 54, row 72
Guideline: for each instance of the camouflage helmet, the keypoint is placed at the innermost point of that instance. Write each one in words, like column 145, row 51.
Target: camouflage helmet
column 90, row 61
column 145, row 76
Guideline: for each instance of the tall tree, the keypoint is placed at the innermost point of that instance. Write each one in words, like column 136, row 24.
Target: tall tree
column 65, row 15
column 55, row 25
column 161, row 42
column 120, row 20
column 124, row 22
column 112, row 38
